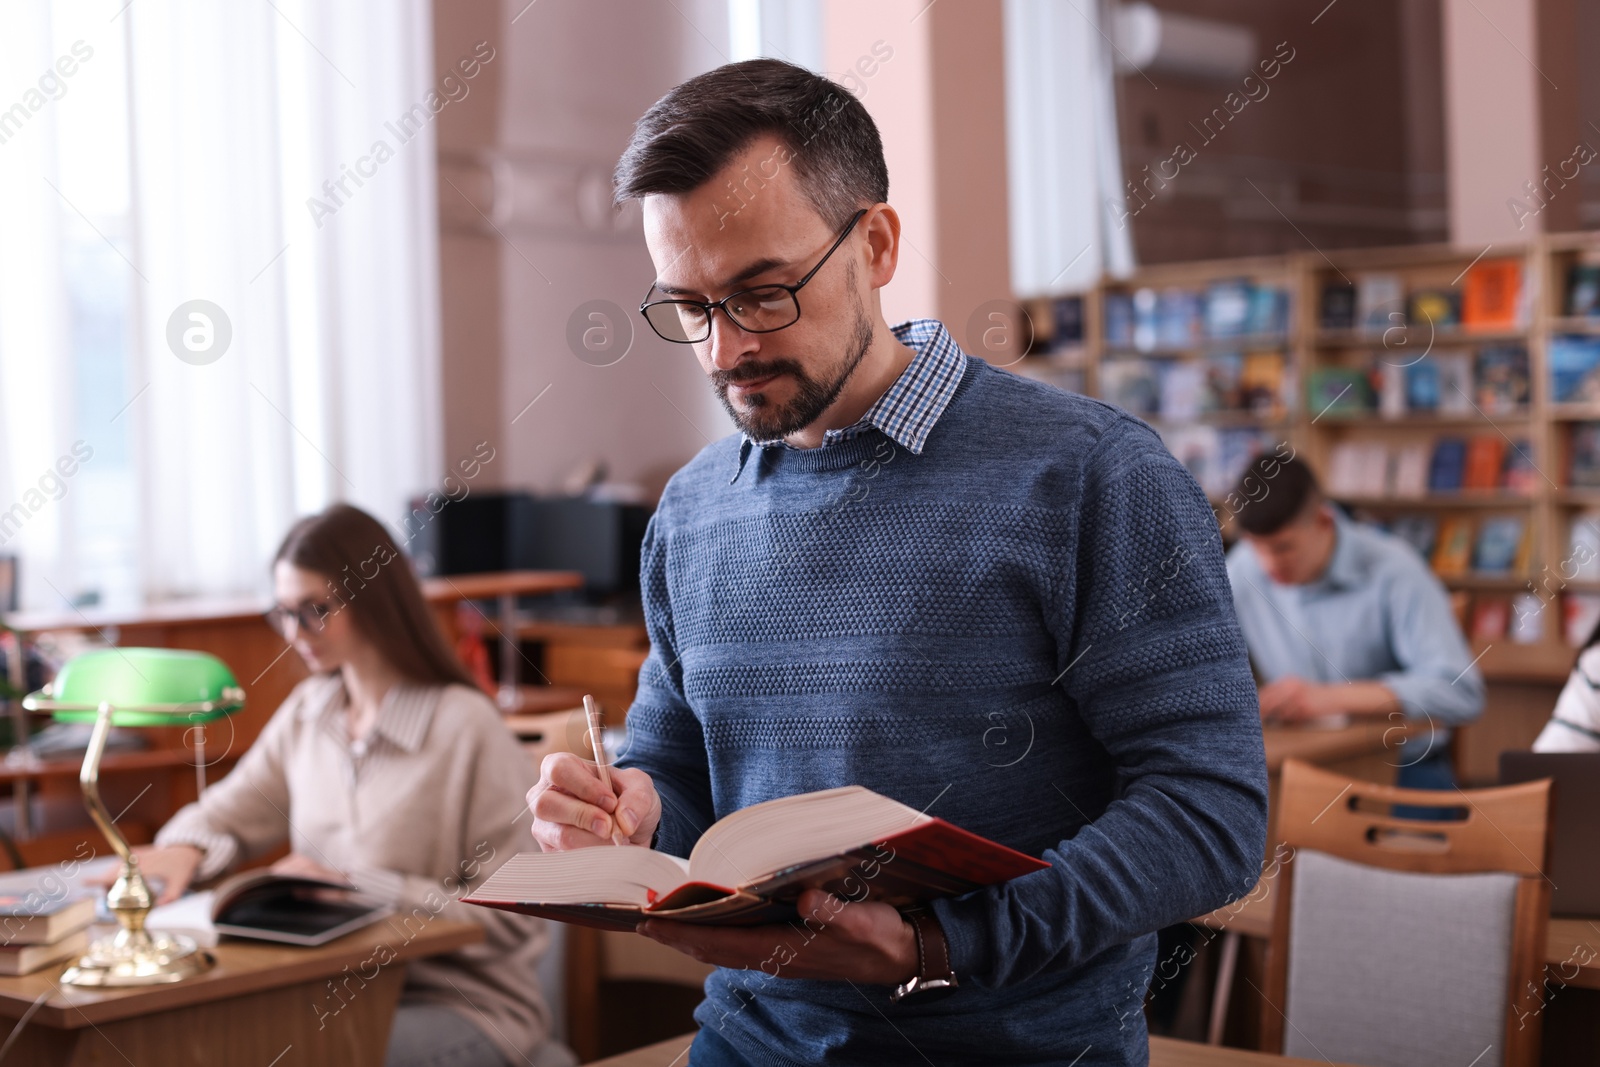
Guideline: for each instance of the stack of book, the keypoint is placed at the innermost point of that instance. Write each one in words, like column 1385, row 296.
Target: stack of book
column 1217, row 458
column 1182, row 390
column 1177, row 319
column 1493, row 380
column 38, row 929
column 1484, row 463
column 1492, row 298
column 1497, row 547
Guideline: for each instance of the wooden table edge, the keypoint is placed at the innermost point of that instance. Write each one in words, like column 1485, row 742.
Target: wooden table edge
column 61, row 1011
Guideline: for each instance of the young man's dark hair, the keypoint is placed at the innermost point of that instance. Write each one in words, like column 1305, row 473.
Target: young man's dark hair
column 696, row 129
column 1276, row 492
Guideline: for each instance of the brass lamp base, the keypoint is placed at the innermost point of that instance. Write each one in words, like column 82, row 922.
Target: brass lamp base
column 120, row 960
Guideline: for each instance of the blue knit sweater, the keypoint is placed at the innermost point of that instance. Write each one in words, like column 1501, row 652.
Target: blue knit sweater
column 1027, row 630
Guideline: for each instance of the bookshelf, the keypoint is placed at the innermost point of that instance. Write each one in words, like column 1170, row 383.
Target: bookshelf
column 1522, row 380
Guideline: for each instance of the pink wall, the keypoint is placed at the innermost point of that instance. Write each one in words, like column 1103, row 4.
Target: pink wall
column 939, row 103
column 1491, row 116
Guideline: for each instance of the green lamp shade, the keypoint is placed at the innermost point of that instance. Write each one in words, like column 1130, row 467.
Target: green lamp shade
column 145, row 686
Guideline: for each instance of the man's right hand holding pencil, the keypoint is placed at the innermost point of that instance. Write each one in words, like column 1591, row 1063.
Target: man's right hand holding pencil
column 571, row 809
column 578, row 803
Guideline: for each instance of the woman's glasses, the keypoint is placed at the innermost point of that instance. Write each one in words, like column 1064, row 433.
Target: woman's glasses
column 311, row 616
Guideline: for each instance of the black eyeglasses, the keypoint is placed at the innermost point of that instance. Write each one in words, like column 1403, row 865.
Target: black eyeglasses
column 764, row 309
column 311, row 616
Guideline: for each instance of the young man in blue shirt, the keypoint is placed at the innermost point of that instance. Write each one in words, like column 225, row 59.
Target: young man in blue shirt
column 1344, row 619
column 990, row 599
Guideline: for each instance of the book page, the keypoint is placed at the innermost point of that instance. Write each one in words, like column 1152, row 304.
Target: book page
column 766, row 837
column 606, row 874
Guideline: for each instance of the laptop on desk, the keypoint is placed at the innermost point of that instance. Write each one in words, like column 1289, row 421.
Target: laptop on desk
column 1575, row 838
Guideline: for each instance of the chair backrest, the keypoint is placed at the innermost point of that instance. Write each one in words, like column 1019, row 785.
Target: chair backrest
column 1399, row 940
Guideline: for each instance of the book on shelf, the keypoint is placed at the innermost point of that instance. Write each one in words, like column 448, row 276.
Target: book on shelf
column 1527, row 619
column 1178, row 317
column 1582, row 562
column 1380, row 300
column 1491, row 297
column 1132, row 384
column 1448, row 465
column 1452, row 555
column 1269, row 311
column 1519, row 474
column 1339, row 391
column 1422, row 385
column 1575, row 370
column 1583, row 290
column 1486, row 456
column 41, row 919
column 1502, row 546
column 1390, row 383
column 1438, row 308
column 1358, row 469
column 1224, row 372
column 1455, row 382
column 1261, row 383
column 750, row 867
column 1119, row 320
column 1460, row 602
column 1338, row 306
column 1227, row 307
column 25, row 959
column 1490, row 618
column 1182, row 390
column 1146, row 320
column 1217, row 458
column 1502, row 373
column 1199, row 449
column 1419, row 531
column 1583, row 463
column 1580, row 614
column 1410, row 477
column 1066, row 322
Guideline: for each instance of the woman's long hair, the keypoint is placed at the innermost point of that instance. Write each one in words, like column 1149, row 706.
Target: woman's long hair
column 370, row 577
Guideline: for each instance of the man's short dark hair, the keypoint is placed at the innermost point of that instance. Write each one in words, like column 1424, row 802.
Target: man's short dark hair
column 691, row 133
column 1273, row 493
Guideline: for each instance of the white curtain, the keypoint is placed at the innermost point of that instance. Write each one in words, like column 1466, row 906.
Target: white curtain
column 780, row 29
column 267, row 177
column 1063, row 158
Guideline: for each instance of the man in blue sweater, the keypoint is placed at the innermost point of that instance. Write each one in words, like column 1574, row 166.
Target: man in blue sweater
column 979, row 595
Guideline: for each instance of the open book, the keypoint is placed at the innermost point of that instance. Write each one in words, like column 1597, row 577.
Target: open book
column 750, row 867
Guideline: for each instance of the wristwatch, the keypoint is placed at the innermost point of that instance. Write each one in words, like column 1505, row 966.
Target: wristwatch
column 934, row 978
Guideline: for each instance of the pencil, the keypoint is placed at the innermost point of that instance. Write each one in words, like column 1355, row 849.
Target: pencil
column 591, row 712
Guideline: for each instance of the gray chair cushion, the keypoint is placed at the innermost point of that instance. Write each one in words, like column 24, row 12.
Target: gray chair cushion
column 1392, row 969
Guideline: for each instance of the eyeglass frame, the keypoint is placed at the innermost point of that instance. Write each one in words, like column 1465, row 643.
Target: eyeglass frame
column 278, row 616
column 719, row 305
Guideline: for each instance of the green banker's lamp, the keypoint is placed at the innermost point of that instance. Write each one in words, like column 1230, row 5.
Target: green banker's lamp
column 134, row 687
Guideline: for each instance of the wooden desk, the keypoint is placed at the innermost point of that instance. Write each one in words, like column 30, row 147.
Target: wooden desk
column 1325, row 748
column 1164, row 1052
column 261, row 1004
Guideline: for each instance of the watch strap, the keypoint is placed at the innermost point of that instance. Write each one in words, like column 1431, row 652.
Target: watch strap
column 934, row 972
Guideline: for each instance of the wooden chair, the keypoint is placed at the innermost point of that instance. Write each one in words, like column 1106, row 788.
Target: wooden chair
column 1398, row 940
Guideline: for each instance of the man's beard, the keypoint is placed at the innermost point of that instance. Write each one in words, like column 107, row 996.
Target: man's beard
column 766, row 421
